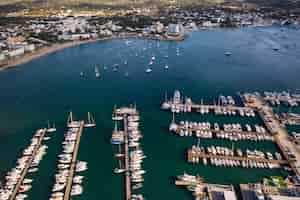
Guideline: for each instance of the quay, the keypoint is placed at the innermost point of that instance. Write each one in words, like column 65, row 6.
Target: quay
column 127, row 174
column 27, row 166
column 73, row 163
column 191, row 155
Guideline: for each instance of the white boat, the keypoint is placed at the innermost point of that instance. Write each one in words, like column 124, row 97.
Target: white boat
column 81, row 73
column 228, row 53
column 119, row 169
column 51, row 129
column 91, row 121
column 166, row 67
column 71, row 123
column 76, row 190
column 97, row 72
column 148, row 70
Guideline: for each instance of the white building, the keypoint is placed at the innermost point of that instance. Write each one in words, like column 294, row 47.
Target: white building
column 16, row 52
column 2, row 57
column 29, row 47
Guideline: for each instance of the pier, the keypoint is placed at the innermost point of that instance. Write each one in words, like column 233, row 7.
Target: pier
column 127, row 174
column 27, row 166
column 133, row 155
column 289, row 149
column 73, row 163
column 191, row 155
column 232, row 135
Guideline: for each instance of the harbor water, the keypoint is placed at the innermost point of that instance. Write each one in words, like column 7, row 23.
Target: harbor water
column 49, row 87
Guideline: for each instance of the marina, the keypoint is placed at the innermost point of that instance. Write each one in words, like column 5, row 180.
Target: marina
column 133, row 155
column 201, row 71
column 16, row 184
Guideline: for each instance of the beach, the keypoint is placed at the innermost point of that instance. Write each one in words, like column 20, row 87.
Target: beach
column 27, row 57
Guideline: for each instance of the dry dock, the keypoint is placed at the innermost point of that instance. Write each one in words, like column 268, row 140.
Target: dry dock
column 24, row 172
column 73, row 163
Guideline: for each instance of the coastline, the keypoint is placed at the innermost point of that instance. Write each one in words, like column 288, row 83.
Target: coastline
column 43, row 51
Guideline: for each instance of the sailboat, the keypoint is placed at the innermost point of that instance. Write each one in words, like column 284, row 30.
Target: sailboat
column 120, row 169
column 91, row 121
column 71, row 123
column 51, row 129
column 97, row 72
column 119, row 154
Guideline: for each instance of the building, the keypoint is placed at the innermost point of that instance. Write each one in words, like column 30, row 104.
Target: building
column 29, row 47
column 16, row 52
column 2, row 57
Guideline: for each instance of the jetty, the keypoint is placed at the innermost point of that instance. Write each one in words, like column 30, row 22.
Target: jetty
column 73, row 162
column 27, row 166
column 132, row 155
column 288, row 148
column 127, row 174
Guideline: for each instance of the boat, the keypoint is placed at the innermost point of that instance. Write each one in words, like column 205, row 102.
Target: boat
column 91, row 121
column 166, row 67
column 31, row 170
column 76, row 190
column 137, row 186
column 228, row 53
column 148, row 70
column 51, row 129
column 24, row 188
column 81, row 73
column 71, row 123
column 119, row 169
column 97, row 72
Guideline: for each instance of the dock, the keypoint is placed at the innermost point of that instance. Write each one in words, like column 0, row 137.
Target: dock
column 73, row 163
column 127, row 174
column 27, row 166
column 289, row 149
column 191, row 155
column 230, row 134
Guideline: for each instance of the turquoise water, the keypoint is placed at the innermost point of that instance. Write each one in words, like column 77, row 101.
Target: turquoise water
column 48, row 87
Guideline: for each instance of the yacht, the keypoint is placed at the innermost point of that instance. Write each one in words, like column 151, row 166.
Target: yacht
column 51, row 129
column 119, row 170
column 91, row 121
column 166, row 67
column 228, row 53
column 97, row 72
column 71, row 123
column 148, row 70
column 76, row 190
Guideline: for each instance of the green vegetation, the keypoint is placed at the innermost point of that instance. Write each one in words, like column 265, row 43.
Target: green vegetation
column 277, row 181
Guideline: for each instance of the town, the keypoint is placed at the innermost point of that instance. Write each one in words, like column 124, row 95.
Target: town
column 26, row 35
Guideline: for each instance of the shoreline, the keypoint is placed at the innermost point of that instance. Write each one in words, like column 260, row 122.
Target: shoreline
column 45, row 50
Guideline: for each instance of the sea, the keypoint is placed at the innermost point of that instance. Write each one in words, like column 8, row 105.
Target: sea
column 49, row 87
